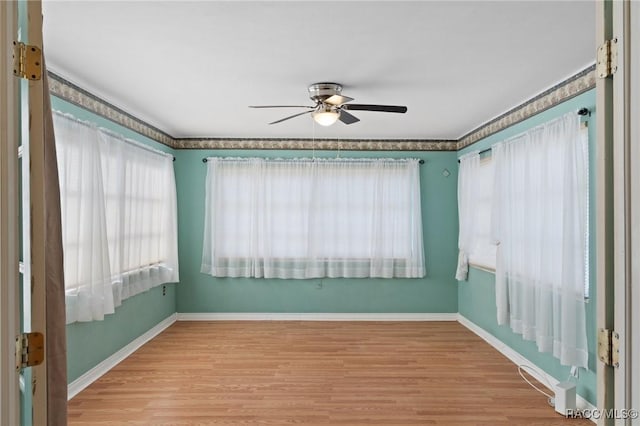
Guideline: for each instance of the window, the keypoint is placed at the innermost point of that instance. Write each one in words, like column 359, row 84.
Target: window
column 475, row 190
column 140, row 212
column 482, row 253
column 540, row 219
column 307, row 218
column 119, row 221
column 482, row 250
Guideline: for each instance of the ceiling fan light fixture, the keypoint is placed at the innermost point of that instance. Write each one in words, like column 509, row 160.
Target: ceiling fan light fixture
column 325, row 117
column 330, row 106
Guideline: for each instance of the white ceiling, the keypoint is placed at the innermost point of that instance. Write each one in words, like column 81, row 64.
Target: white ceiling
column 192, row 68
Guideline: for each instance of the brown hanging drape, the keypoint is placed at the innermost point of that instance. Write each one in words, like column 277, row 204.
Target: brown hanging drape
column 56, row 341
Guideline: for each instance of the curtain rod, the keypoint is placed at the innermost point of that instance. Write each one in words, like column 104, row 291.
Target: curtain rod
column 135, row 142
column 581, row 111
column 204, row 160
column 113, row 134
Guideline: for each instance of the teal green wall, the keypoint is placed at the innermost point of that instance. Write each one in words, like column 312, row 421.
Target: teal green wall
column 476, row 297
column 90, row 343
column 437, row 292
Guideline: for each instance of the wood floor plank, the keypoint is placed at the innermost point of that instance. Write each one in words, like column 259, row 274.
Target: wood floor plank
column 314, row 373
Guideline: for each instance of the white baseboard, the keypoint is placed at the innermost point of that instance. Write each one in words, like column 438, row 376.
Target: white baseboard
column 96, row 372
column 518, row 359
column 276, row 316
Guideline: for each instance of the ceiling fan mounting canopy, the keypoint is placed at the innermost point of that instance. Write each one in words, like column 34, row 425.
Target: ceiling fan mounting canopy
column 319, row 92
column 331, row 105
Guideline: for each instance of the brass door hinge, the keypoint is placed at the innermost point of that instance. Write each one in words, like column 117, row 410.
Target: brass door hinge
column 607, row 58
column 27, row 61
column 609, row 347
column 29, row 350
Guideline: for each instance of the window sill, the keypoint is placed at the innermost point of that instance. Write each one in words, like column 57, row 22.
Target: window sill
column 490, row 269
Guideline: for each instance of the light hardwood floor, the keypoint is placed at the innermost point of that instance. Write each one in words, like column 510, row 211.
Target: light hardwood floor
column 314, row 373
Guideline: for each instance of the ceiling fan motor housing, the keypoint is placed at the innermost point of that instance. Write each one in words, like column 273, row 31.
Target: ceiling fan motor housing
column 321, row 91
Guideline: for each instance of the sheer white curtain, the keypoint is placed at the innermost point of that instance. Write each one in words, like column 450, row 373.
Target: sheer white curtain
column 87, row 270
column 141, row 216
column 119, row 218
column 540, row 222
column 306, row 218
column 467, row 175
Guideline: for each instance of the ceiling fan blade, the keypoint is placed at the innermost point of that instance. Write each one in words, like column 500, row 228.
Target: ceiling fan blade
column 380, row 108
column 281, row 106
column 291, row 116
column 337, row 100
column 347, row 118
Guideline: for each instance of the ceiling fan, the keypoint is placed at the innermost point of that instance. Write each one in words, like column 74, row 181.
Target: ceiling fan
column 330, row 106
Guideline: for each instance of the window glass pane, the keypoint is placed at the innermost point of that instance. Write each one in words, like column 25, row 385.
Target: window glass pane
column 483, row 253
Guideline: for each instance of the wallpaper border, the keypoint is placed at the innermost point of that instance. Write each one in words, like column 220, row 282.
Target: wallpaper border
column 68, row 91
column 320, row 144
column 581, row 82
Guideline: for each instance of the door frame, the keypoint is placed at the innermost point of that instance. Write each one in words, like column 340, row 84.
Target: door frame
column 9, row 223
column 618, row 212
column 634, row 137
column 37, row 215
column 10, row 134
column 622, row 208
column 626, row 22
column 604, row 208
